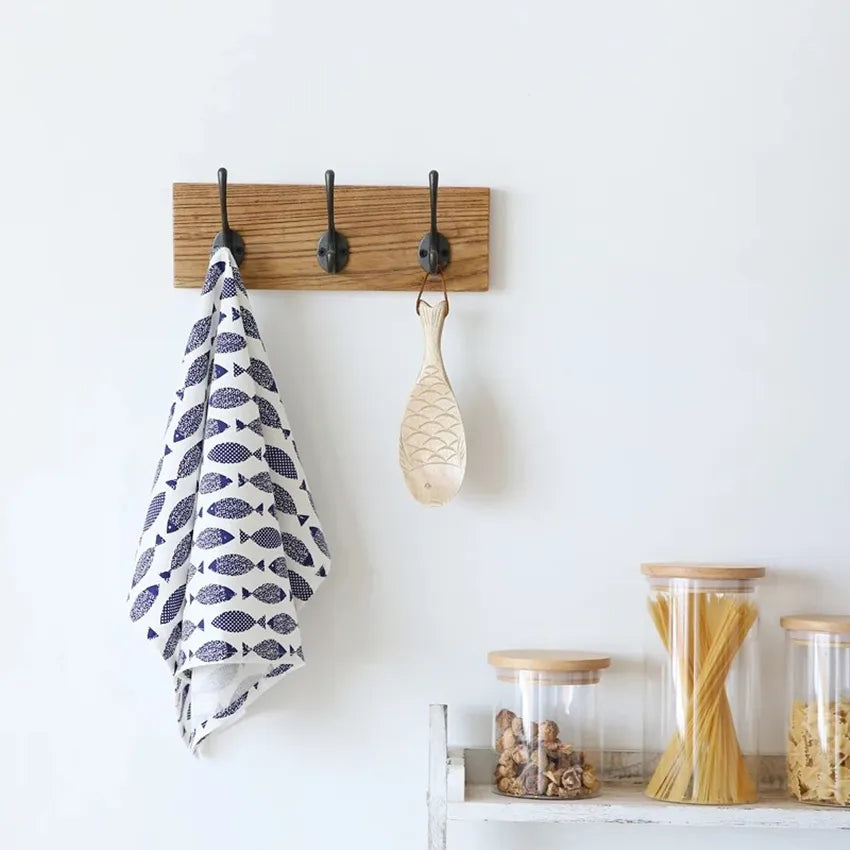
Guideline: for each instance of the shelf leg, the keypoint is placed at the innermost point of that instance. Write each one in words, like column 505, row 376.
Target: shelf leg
column 438, row 754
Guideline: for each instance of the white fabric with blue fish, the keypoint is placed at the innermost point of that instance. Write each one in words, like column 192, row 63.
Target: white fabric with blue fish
column 231, row 544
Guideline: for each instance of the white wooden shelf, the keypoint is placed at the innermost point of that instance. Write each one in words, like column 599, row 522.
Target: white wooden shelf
column 628, row 804
column 459, row 791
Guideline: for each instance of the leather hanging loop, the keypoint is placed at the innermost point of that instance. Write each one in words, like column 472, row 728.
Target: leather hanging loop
column 422, row 289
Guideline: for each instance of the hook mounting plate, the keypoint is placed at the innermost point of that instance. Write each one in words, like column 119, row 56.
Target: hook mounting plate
column 323, row 254
column 237, row 245
column 444, row 252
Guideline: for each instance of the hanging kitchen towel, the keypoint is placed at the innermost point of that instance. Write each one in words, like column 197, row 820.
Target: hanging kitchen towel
column 231, row 544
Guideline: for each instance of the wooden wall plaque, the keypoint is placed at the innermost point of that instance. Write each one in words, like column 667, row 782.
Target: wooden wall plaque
column 281, row 226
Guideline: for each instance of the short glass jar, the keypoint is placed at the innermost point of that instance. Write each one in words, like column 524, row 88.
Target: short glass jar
column 818, row 671
column 547, row 728
column 701, row 706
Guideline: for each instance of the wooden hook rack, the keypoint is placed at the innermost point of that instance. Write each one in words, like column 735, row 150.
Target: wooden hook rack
column 281, row 226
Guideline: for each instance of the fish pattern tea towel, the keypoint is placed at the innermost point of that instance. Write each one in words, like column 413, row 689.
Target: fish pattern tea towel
column 231, row 544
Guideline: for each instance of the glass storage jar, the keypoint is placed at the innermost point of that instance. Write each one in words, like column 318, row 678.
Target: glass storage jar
column 701, row 707
column 818, row 665
column 547, row 729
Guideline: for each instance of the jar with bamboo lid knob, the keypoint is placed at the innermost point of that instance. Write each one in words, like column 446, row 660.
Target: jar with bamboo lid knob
column 547, row 729
column 817, row 648
column 701, row 706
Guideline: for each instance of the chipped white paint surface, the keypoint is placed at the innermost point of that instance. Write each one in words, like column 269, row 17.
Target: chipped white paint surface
column 459, row 792
column 438, row 765
column 627, row 804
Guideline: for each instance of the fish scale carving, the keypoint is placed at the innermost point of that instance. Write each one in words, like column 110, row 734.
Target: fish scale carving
column 432, row 444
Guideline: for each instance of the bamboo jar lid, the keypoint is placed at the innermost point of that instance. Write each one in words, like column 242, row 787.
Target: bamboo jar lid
column 835, row 624
column 722, row 572
column 548, row 660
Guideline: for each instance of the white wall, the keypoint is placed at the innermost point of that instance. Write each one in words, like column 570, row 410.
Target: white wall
column 659, row 371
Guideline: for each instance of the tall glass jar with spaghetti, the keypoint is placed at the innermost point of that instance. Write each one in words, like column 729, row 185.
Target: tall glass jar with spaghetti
column 818, row 671
column 547, row 729
column 701, row 708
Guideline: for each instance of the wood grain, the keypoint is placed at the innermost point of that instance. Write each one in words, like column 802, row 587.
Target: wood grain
column 281, row 226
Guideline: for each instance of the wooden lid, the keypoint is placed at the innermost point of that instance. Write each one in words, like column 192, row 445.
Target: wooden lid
column 837, row 624
column 548, row 660
column 706, row 571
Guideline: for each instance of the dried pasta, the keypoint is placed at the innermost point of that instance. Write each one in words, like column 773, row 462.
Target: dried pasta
column 703, row 762
column 819, row 752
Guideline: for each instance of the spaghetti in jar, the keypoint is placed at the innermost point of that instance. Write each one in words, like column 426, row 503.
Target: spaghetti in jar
column 702, row 684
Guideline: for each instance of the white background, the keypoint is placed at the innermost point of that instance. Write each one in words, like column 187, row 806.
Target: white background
column 658, row 372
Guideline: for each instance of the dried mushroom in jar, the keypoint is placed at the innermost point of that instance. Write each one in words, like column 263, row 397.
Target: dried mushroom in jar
column 535, row 762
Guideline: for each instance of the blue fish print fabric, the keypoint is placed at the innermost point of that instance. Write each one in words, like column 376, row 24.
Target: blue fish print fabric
column 231, row 546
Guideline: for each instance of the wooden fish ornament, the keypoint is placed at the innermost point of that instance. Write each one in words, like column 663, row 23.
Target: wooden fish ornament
column 432, row 444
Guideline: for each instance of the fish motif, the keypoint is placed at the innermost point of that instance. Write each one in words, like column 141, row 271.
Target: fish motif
column 143, row 602
column 283, row 624
column 214, row 426
column 262, row 481
column 259, row 371
column 233, row 565
column 299, row 587
column 213, row 274
column 303, row 487
column 209, row 538
column 256, row 426
column 157, row 471
column 249, row 323
column 279, row 670
column 213, row 481
column 153, row 509
column 232, row 708
column 213, row 594
column 227, row 342
column 181, row 513
column 188, row 464
column 189, row 628
column 144, row 562
column 227, row 397
column 296, row 550
column 319, row 539
column 283, row 501
column 189, row 422
column 268, row 537
column 218, row 371
column 237, row 621
column 199, row 333
column 171, row 643
column 173, row 605
column 268, row 415
column 279, row 568
column 269, row 649
column 280, row 462
column 268, row 593
column 215, row 650
column 197, row 371
column 181, row 554
column 232, row 453
column 232, row 508
column 229, row 287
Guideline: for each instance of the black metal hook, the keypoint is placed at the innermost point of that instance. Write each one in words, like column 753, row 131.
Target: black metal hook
column 332, row 251
column 435, row 253
column 227, row 238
